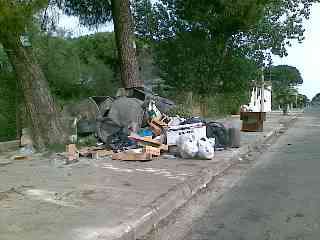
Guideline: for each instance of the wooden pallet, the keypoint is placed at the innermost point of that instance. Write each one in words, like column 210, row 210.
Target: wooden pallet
column 72, row 153
column 153, row 151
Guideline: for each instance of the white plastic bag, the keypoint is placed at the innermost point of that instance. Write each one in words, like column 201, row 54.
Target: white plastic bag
column 175, row 121
column 188, row 146
column 206, row 148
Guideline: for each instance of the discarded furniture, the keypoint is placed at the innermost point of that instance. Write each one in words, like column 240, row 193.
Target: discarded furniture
column 252, row 121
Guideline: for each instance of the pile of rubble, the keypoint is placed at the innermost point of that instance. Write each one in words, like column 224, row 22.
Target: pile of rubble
column 138, row 128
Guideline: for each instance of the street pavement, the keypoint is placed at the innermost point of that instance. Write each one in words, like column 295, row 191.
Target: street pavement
column 279, row 199
column 44, row 199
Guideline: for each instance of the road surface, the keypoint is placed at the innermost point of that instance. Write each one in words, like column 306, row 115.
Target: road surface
column 280, row 197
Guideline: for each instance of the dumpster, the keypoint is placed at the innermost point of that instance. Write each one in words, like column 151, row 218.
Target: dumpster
column 252, row 121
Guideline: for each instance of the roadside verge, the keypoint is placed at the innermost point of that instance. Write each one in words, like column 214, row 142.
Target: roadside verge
column 147, row 218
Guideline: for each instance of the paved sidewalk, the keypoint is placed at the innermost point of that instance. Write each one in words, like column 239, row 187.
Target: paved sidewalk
column 104, row 199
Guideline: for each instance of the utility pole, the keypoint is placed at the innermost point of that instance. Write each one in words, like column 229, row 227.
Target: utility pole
column 262, row 91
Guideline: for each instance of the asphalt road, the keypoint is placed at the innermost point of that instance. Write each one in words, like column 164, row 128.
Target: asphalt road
column 280, row 197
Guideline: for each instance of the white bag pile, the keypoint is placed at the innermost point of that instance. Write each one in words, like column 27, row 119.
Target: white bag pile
column 190, row 147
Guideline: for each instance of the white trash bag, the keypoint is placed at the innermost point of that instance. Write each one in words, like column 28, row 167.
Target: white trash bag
column 206, row 148
column 188, row 146
column 175, row 121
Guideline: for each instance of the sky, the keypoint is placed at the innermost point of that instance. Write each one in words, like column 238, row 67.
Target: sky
column 303, row 56
column 72, row 24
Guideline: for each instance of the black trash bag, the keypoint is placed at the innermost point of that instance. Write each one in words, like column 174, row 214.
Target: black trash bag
column 193, row 120
column 219, row 132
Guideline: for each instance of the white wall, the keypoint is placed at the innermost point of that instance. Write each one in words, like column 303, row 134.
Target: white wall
column 255, row 103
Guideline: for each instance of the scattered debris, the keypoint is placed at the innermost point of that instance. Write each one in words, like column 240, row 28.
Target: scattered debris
column 176, row 121
column 145, row 133
column 26, row 139
column 153, row 111
column 102, row 153
column 164, row 147
column 206, row 148
column 134, row 127
column 156, row 126
column 131, row 156
column 153, row 151
column 127, row 113
column 94, row 152
column 198, row 130
column 119, row 141
column 168, row 156
column 73, row 154
column 219, row 132
column 145, row 140
column 26, row 145
column 21, row 157
column 189, row 146
column 27, row 150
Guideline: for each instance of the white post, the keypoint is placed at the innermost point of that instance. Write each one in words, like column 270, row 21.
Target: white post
column 262, row 92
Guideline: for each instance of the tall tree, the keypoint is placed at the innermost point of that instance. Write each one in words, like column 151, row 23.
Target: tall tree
column 284, row 79
column 15, row 17
column 193, row 39
column 95, row 12
column 145, row 20
column 284, row 75
column 302, row 101
column 214, row 34
column 316, row 99
column 124, row 30
column 8, row 100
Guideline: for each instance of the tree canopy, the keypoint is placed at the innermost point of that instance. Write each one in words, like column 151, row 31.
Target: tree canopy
column 316, row 99
column 284, row 75
column 284, row 79
column 218, row 46
column 16, row 15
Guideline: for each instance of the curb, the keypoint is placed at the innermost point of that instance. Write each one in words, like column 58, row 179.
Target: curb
column 180, row 194
column 10, row 145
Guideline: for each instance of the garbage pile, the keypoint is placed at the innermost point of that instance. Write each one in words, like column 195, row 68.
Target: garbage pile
column 137, row 128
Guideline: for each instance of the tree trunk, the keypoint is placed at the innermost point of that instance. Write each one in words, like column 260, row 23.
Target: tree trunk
column 125, row 39
column 203, row 106
column 46, row 125
column 18, row 120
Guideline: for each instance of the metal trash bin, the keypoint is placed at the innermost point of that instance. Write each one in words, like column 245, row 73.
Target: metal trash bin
column 252, row 121
column 234, row 137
